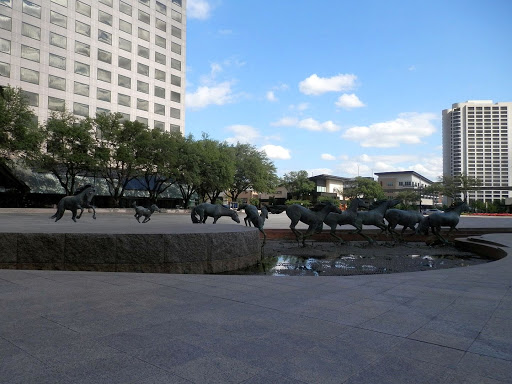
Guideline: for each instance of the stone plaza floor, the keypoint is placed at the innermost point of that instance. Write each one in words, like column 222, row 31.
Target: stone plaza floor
column 446, row 326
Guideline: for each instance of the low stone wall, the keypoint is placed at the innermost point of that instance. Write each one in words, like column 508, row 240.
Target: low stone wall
column 163, row 253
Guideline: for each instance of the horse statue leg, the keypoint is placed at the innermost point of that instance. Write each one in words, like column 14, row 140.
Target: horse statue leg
column 74, row 217
column 81, row 211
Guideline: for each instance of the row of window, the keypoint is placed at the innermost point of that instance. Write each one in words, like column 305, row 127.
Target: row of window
column 56, row 104
column 123, row 7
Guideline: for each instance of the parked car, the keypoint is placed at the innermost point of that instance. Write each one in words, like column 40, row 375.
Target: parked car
column 428, row 212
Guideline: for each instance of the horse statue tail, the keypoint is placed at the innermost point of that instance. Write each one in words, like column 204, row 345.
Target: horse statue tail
column 193, row 216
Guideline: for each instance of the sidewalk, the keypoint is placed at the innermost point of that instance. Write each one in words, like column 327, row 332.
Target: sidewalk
column 445, row 326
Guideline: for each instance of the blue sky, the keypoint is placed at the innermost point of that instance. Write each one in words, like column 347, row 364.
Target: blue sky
column 345, row 88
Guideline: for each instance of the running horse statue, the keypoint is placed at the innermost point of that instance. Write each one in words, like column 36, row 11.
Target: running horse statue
column 258, row 220
column 375, row 216
column 146, row 212
column 449, row 218
column 407, row 219
column 80, row 200
column 206, row 210
column 349, row 216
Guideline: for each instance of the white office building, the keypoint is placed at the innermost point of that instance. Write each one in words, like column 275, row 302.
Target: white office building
column 90, row 56
column 477, row 142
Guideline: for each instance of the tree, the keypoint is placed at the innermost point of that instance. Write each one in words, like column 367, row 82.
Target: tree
column 298, row 183
column 157, row 161
column 70, row 146
column 20, row 136
column 455, row 186
column 253, row 170
column 364, row 188
column 116, row 151
column 408, row 198
column 189, row 168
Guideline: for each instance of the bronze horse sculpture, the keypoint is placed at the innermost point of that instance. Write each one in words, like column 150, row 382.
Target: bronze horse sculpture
column 206, row 210
column 375, row 216
column 449, row 218
column 349, row 216
column 80, row 200
column 146, row 212
column 407, row 219
column 258, row 220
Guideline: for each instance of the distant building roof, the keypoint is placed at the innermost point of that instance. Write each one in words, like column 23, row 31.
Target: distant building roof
column 390, row 174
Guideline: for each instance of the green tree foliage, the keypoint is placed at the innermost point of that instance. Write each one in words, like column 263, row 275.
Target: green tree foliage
column 253, row 170
column 409, row 198
column 298, row 184
column 19, row 134
column 157, row 160
column 364, row 188
column 190, row 161
column 455, row 186
column 116, row 153
column 70, row 147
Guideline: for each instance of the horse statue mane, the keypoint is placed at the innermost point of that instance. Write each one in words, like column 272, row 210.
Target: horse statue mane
column 454, row 206
column 81, row 189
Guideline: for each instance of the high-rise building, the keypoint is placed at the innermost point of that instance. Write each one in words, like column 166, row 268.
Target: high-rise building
column 125, row 56
column 477, row 142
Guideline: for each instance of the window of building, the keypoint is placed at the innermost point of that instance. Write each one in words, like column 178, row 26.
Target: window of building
column 5, row 45
column 143, row 51
column 175, row 113
column 143, row 69
column 160, row 109
column 57, row 61
column 103, row 94
column 144, row 17
column 125, row 26
column 5, row 69
column 176, row 15
column 142, row 104
column 30, row 53
column 5, row 22
column 7, row 3
column 104, row 75
column 175, row 128
column 176, row 80
column 159, row 75
column 83, row 8
column 176, row 48
column 162, row 8
column 159, row 125
column 124, row 81
column 160, row 58
column 29, row 75
column 82, row 69
column 176, row 97
column 81, row 89
column 124, row 100
column 82, row 48
column 175, row 31
column 160, row 41
column 31, row 98
column 125, row 63
column 143, row 34
column 160, row 92
column 161, row 25
column 31, row 9
column 81, row 109
column 125, row 45
column 58, row 40
column 55, row 104
column 125, row 8
column 104, row 56
column 31, row 31
column 107, row 2
column 105, row 18
column 142, row 86
column 142, row 120
column 176, row 64
column 104, row 37
column 58, row 19
column 56, row 82
column 177, row 2
column 64, row 3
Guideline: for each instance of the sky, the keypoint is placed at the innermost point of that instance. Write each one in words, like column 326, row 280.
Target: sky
column 345, row 88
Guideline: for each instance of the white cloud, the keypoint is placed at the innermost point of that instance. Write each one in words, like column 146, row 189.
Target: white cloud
column 271, row 96
column 276, row 152
column 310, row 124
column 349, row 101
column 408, row 128
column 198, row 9
column 327, row 156
column 315, row 85
column 244, row 134
column 299, row 107
column 219, row 94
